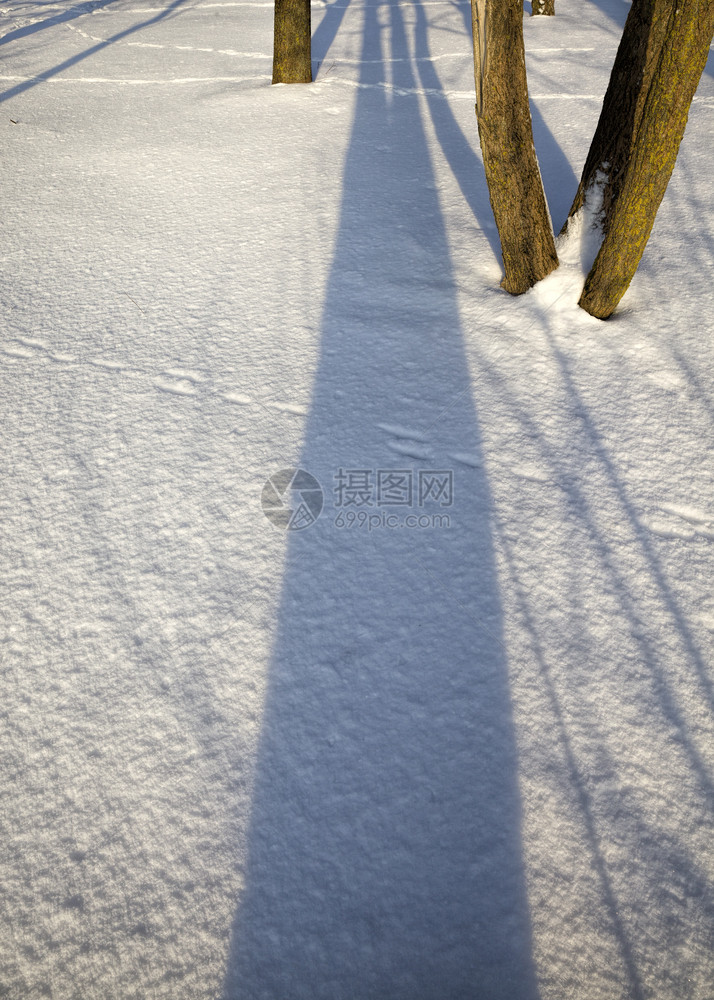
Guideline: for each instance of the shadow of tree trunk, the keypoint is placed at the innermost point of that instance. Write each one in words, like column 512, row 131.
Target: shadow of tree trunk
column 384, row 844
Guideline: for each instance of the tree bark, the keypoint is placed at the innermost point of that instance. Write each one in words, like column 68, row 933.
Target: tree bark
column 542, row 7
column 654, row 147
column 506, row 135
column 291, row 42
column 630, row 80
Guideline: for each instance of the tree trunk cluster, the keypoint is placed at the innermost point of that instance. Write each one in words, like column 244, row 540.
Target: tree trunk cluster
column 661, row 57
column 660, row 60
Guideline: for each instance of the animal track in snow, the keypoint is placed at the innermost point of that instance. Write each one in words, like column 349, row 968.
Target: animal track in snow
column 473, row 461
column 409, row 442
column 294, row 408
column 107, row 364
column 237, row 397
column 680, row 521
column 531, row 473
column 684, row 522
column 668, row 529
column 409, row 448
column 26, row 348
column 177, row 385
column 403, row 433
column 23, row 353
column 176, row 381
column 183, row 373
column 690, row 514
column 33, row 342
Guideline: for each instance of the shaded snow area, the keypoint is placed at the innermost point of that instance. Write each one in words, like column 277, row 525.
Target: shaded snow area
column 432, row 718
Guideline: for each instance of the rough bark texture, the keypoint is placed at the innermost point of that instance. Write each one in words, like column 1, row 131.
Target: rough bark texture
column 543, row 7
column 291, row 42
column 621, row 114
column 683, row 55
column 505, row 131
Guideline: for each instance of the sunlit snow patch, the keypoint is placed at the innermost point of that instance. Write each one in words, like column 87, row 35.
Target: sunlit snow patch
column 577, row 249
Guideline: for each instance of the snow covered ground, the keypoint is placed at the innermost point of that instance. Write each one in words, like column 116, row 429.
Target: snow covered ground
column 454, row 739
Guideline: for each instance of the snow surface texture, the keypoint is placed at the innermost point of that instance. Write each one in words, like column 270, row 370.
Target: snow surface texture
column 337, row 763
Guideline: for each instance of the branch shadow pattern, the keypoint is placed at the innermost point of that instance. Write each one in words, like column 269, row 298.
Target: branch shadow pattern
column 674, row 701
column 48, row 74
column 49, row 22
column 577, row 497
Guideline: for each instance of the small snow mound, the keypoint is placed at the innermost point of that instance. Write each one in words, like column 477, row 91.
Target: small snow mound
column 579, row 244
column 577, row 249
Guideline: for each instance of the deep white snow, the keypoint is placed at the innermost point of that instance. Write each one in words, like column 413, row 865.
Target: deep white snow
column 454, row 739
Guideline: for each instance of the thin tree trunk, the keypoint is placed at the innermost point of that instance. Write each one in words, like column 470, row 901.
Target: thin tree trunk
column 632, row 73
column 291, row 42
column 542, row 7
column 506, row 135
column 682, row 59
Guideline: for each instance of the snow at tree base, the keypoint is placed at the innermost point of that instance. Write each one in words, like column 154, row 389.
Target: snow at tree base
column 442, row 725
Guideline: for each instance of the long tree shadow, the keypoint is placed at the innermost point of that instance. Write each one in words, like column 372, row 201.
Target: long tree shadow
column 324, row 34
column 384, row 850
column 464, row 163
column 559, row 180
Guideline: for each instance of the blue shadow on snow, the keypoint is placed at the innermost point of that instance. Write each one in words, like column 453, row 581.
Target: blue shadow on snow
column 20, row 88
column 384, row 855
column 66, row 15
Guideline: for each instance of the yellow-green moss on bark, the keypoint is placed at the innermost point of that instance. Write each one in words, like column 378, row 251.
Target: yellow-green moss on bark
column 509, row 158
column 292, row 42
column 630, row 80
column 680, row 63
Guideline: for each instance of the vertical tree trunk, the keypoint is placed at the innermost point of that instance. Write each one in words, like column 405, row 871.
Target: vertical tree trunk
column 542, row 7
column 509, row 157
column 682, row 57
column 632, row 73
column 291, row 42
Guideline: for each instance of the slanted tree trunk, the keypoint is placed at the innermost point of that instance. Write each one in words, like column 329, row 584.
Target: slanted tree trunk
column 509, row 157
column 643, row 180
column 291, row 42
column 632, row 73
column 542, row 7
